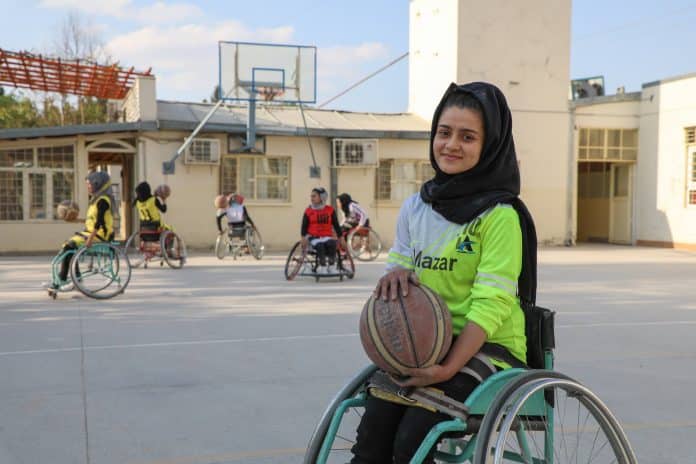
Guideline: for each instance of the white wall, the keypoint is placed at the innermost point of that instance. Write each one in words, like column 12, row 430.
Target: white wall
column 663, row 215
column 433, row 53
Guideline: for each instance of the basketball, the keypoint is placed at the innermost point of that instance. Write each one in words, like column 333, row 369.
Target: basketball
column 221, row 202
column 414, row 331
column 67, row 210
column 163, row 191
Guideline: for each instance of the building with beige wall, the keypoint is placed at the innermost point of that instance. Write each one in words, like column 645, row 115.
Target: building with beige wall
column 636, row 165
column 41, row 167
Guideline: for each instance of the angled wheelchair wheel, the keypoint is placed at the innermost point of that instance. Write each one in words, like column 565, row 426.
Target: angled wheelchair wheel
column 254, row 242
column 134, row 251
column 173, row 249
column 334, row 435
column 365, row 245
column 295, row 260
column 101, row 271
column 222, row 245
column 544, row 416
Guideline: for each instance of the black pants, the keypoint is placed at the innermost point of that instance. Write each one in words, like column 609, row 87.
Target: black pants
column 391, row 433
column 65, row 265
column 326, row 249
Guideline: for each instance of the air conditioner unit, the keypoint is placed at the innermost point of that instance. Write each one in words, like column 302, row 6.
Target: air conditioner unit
column 203, row 151
column 356, row 153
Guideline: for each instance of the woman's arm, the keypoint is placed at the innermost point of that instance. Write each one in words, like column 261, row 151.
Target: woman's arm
column 160, row 206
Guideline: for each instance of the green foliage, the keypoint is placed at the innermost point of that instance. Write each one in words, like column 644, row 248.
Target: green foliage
column 17, row 111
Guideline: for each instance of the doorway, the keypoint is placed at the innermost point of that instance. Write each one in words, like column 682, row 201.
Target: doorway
column 605, row 202
column 120, row 167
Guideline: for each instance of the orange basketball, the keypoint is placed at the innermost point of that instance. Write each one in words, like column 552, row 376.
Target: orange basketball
column 163, row 191
column 411, row 331
column 67, row 210
column 221, row 202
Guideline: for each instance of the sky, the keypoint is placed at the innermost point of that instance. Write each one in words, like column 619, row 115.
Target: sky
column 629, row 42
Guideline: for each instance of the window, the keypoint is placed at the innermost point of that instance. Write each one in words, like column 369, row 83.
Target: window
column 691, row 176
column 396, row 180
column 203, row 151
column 34, row 180
column 608, row 144
column 256, row 177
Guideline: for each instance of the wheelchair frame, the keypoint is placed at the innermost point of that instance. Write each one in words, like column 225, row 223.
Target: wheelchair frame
column 225, row 244
column 144, row 251
column 304, row 262
column 85, row 262
column 508, row 401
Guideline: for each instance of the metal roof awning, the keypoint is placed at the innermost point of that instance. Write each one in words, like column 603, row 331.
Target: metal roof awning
column 76, row 77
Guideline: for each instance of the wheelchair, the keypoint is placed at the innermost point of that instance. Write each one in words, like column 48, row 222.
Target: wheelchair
column 238, row 241
column 304, row 262
column 364, row 244
column 101, row 271
column 531, row 416
column 159, row 244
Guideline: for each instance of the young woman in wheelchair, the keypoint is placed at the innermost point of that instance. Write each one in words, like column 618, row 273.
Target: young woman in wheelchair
column 320, row 229
column 464, row 214
column 354, row 215
column 237, row 217
column 149, row 209
column 99, row 221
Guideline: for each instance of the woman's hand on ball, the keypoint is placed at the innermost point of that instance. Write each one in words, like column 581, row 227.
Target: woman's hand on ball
column 389, row 284
column 425, row 376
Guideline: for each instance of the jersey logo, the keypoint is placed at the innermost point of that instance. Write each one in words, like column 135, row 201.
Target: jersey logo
column 436, row 263
column 464, row 245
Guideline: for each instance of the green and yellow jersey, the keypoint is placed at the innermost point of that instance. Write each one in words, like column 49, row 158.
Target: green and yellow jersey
column 474, row 267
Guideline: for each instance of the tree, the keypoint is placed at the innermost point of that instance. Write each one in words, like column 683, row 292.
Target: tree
column 18, row 112
column 77, row 39
column 215, row 96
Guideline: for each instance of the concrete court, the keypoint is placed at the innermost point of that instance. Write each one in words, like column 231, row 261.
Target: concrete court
column 226, row 362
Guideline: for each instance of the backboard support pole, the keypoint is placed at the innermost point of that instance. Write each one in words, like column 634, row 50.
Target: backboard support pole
column 168, row 167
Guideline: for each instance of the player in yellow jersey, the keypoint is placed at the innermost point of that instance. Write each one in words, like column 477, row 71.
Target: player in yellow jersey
column 99, row 222
column 150, row 208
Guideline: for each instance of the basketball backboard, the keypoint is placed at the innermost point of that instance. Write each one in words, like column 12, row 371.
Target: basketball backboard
column 255, row 71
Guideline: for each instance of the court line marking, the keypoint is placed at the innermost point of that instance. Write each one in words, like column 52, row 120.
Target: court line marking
column 301, row 337
column 181, row 343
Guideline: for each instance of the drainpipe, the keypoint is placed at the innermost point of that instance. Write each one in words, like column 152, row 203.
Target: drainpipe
column 572, row 195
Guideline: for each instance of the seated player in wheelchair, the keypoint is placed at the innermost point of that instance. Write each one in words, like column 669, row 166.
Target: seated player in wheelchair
column 237, row 217
column 99, row 221
column 320, row 229
column 468, row 217
column 354, row 215
column 149, row 208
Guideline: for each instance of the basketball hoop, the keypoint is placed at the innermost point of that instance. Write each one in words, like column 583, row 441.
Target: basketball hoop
column 269, row 93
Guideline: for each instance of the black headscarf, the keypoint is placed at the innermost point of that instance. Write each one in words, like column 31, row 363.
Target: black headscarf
column 346, row 200
column 495, row 178
column 143, row 191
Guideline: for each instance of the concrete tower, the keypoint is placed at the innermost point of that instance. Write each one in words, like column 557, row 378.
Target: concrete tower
column 523, row 47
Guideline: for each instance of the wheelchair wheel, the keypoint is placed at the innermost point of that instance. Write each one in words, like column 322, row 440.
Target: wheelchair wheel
column 544, row 416
column 338, row 438
column 173, row 249
column 101, row 271
column 254, row 242
column 296, row 259
column 222, row 245
column 364, row 247
column 133, row 250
